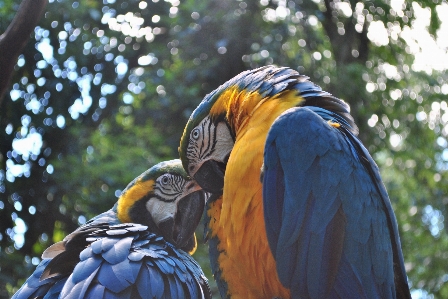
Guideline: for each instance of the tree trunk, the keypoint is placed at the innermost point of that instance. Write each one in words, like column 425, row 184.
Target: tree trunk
column 16, row 37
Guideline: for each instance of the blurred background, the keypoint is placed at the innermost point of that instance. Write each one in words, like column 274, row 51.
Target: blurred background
column 103, row 89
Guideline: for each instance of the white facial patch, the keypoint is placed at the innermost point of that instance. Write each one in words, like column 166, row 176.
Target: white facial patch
column 224, row 142
column 161, row 210
column 208, row 142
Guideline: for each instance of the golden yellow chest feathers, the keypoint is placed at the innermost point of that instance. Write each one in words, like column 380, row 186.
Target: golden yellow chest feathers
column 238, row 217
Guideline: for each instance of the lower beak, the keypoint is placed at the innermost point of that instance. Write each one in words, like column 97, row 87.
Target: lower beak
column 187, row 218
column 210, row 176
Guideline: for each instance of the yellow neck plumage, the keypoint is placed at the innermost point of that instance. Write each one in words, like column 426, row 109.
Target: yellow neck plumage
column 239, row 106
column 130, row 196
column 238, row 220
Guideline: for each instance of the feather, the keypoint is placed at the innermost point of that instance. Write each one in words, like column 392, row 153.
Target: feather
column 85, row 268
column 322, row 197
column 105, row 258
column 119, row 251
column 111, row 279
column 96, row 292
column 132, row 264
column 77, row 290
column 339, row 227
column 54, row 250
column 157, row 285
column 143, row 282
column 135, row 256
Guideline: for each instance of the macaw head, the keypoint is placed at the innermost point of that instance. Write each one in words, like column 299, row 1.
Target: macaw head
column 211, row 131
column 167, row 200
column 208, row 139
column 212, row 128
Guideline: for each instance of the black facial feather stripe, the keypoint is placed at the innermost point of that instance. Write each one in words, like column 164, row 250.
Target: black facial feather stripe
column 207, row 146
column 172, row 190
column 203, row 149
column 211, row 144
column 193, row 151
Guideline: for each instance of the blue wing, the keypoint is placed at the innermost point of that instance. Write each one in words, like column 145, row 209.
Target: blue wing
column 127, row 261
column 329, row 221
column 34, row 287
column 103, row 259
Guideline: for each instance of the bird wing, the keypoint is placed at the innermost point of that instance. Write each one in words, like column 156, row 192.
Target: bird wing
column 329, row 221
column 103, row 259
column 127, row 261
column 34, row 287
column 59, row 260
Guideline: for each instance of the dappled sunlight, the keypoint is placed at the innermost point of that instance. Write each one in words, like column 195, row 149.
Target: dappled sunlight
column 130, row 25
column 19, row 230
column 434, row 219
column 277, row 14
column 378, row 34
column 45, row 48
column 28, row 146
column 344, row 8
column 431, row 53
column 104, row 88
column 81, row 106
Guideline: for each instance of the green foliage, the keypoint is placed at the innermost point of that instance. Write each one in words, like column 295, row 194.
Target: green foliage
column 124, row 76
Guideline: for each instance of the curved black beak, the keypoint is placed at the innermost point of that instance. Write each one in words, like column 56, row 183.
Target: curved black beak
column 187, row 218
column 210, row 176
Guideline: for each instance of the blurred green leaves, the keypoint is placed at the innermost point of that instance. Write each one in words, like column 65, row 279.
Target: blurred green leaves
column 109, row 86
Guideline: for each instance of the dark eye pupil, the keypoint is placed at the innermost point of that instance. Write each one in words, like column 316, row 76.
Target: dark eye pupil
column 165, row 180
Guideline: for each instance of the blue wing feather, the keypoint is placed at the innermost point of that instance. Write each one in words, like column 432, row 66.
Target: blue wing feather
column 156, row 282
column 150, row 275
column 96, row 292
column 108, row 277
column 55, row 290
column 34, row 287
column 213, row 245
column 84, row 268
column 144, row 282
column 77, row 290
column 120, row 261
column 173, row 287
column 328, row 218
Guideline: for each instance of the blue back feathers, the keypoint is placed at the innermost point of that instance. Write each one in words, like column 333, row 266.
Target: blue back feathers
column 269, row 81
column 329, row 221
column 113, row 260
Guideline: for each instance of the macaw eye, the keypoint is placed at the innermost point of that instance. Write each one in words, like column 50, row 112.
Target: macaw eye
column 165, row 179
column 195, row 134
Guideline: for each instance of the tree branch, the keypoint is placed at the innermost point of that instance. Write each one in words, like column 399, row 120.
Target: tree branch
column 16, row 37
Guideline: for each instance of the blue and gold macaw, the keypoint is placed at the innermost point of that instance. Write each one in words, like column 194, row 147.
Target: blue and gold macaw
column 320, row 223
column 134, row 250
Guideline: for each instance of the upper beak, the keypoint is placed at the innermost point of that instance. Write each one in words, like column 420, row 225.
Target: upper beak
column 210, row 176
column 186, row 219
